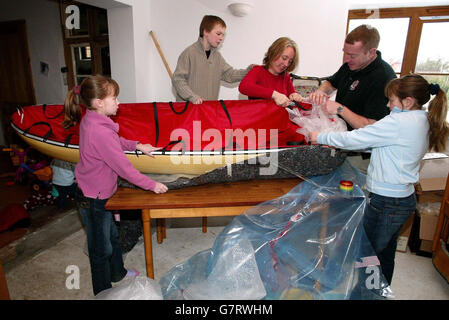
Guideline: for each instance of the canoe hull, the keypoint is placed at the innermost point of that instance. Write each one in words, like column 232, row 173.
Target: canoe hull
column 169, row 163
column 214, row 142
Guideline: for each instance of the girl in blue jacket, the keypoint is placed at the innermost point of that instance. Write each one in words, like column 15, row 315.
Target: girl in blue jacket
column 397, row 144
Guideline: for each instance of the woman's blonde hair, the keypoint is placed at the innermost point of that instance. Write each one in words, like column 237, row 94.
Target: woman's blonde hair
column 92, row 87
column 276, row 49
column 415, row 86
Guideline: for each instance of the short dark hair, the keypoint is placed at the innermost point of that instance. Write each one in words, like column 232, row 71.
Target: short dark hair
column 366, row 34
column 209, row 22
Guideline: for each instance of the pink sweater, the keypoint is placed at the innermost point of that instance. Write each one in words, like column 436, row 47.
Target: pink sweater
column 260, row 83
column 102, row 158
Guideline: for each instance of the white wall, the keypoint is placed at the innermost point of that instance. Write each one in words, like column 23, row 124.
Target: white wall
column 142, row 47
column 121, row 49
column 45, row 43
column 129, row 44
column 317, row 26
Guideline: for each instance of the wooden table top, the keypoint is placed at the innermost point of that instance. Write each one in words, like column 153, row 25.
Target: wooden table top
column 239, row 193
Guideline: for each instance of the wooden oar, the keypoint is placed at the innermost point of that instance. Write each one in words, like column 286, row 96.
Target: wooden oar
column 158, row 47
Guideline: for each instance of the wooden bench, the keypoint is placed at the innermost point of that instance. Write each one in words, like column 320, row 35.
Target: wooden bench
column 226, row 199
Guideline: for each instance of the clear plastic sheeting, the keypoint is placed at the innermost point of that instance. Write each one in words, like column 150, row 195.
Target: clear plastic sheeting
column 133, row 288
column 224, row 283
column 316, row 119
column 307, row 244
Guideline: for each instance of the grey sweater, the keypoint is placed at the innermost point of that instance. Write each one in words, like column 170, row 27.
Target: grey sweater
column 197, row 76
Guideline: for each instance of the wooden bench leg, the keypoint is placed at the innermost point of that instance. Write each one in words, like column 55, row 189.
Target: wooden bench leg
column 161, row 230
column 146, row 218
column 204, row 224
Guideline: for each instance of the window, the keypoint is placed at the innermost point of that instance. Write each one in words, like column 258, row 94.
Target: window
column 411, row 39
column 392, row 44
column 82, row 61
column 433, row 54
column 86, row 49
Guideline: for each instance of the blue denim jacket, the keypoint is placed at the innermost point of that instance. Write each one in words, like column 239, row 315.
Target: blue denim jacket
column 397, row 144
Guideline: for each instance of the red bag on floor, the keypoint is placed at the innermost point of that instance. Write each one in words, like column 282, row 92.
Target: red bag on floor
column 11, row 215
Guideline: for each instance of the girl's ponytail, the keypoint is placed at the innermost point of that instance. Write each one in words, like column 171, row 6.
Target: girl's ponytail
column 72, row 110
column 437, row 113
column 92, row 87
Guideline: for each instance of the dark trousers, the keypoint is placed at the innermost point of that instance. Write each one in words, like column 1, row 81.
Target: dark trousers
column 105, row 254
column 64, row 192
column 383, row 220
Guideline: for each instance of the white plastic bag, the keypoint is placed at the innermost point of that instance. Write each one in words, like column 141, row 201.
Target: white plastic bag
column 316, row 120
column 134, row 288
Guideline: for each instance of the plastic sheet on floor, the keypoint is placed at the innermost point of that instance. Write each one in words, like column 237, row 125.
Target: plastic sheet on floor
column 307, row 244
column 133, row 288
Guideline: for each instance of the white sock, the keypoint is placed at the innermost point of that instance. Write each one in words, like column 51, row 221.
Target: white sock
column 132, row 273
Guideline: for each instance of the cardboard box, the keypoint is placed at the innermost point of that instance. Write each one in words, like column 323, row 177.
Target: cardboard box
column 405, row 234
column 432, row 178
column 433, row 173
column 428, row 196
column 402, row 243
column 428, row 213
column 415, row 244
column 426, row 246
column 432, row 184
column 427, row 227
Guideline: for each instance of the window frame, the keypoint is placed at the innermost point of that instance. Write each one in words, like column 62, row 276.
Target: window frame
column 414, row 29
column 95, row 39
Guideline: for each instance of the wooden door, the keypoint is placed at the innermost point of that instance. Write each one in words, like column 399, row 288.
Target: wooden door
column 16, row 80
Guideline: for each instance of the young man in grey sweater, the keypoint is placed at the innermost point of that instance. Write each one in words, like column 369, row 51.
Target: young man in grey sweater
column 201, row 67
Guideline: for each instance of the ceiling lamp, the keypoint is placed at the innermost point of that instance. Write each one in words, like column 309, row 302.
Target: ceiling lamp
column 240, row 8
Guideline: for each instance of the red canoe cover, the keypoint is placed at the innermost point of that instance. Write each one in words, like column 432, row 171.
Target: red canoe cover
column 213, row 125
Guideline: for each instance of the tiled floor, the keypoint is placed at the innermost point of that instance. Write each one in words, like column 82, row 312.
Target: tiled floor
column 45, row 275
column 55, row 245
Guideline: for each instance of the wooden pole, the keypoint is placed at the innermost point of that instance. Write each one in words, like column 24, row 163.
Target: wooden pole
column 158, row 47
column 146, row 221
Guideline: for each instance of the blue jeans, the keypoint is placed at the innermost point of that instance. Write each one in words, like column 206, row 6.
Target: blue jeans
column 105, row 254
column 382, row 221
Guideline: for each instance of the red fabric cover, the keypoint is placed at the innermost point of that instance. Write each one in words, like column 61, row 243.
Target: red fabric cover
column 11, row 215
column 194, row 126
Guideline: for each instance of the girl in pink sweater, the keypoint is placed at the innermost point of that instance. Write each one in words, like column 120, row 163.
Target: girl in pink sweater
column 102, row 160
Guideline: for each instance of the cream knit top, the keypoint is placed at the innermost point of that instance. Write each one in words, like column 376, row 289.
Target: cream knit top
column 197, row 76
